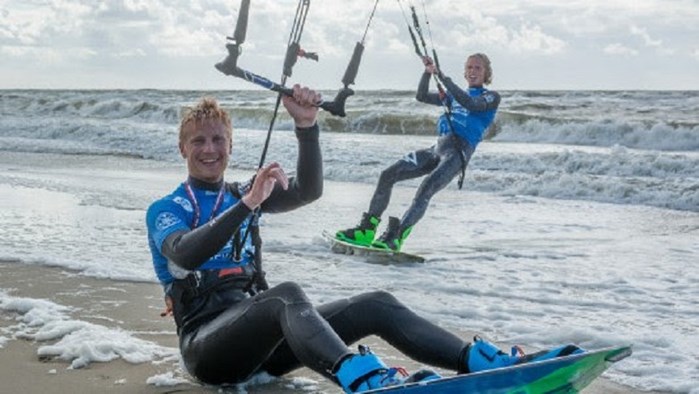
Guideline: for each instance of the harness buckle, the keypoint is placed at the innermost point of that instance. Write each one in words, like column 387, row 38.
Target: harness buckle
column 193, row 281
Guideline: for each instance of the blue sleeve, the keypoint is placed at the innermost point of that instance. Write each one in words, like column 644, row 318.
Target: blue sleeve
column 163, row 219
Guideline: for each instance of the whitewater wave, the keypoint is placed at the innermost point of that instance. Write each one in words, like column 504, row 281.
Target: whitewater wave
column 569, row 118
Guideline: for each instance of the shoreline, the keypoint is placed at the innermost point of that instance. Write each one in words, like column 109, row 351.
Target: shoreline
column 134, row 307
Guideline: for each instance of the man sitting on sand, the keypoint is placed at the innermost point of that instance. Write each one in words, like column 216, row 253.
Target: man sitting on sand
column 205, row 253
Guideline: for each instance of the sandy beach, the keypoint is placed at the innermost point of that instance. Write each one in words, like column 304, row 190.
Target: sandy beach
column 135, row 307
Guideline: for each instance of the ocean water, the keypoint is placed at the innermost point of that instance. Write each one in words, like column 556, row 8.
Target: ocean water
column 639, row 148
column 578, row 221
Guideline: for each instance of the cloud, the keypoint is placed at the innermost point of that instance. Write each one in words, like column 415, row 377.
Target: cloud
column 620, row 49
column 119, row 38
column 533, row 39
column 479, row 31
column 137, row 52
column 47, row 56
column 695, row 54
column 182, row 41
column 488, row 32
column 115, row 28
column 646, row 37
column 652, row 43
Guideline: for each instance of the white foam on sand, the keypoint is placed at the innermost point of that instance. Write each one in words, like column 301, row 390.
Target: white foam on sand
column 76, row 341
column 81, row 343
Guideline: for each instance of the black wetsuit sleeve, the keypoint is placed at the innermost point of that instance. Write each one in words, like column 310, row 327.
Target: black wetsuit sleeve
column 190, row 249
column 485, row 102
column 423, row 95
column 307, row 185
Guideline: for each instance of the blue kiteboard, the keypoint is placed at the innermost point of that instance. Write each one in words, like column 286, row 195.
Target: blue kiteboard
column 568, row 374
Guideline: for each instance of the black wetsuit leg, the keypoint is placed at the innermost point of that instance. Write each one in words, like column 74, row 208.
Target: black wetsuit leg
column 412, row 165
column 235, row 344
column 380, row 313
column 452, row 158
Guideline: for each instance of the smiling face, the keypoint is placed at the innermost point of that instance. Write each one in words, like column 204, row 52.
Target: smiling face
column 206, row 141
column 206, row 148
column 477, row 70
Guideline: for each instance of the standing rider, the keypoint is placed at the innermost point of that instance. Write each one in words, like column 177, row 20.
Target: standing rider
column 460, row 129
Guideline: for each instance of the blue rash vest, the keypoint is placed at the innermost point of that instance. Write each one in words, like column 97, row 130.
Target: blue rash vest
column 176, row 212
column 469, row 125
column 472, row 110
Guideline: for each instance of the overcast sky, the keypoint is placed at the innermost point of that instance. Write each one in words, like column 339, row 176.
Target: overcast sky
column 174, row 44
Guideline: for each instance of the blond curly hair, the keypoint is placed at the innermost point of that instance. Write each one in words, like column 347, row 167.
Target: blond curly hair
column 207, row 110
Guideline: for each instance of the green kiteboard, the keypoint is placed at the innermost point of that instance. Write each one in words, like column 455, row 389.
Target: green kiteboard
column 561, row 375
column 371, row 255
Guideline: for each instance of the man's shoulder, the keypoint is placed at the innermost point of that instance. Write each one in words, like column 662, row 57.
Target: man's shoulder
column 177, row 198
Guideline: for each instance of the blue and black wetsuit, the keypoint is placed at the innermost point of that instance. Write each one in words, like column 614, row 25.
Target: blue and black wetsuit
column 228, row 327
column 472, row 112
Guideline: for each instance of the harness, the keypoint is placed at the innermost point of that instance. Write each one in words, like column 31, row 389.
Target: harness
column 198, row 283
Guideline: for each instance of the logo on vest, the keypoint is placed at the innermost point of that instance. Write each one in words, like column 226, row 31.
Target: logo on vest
column 184, row 203
column 165, row 220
